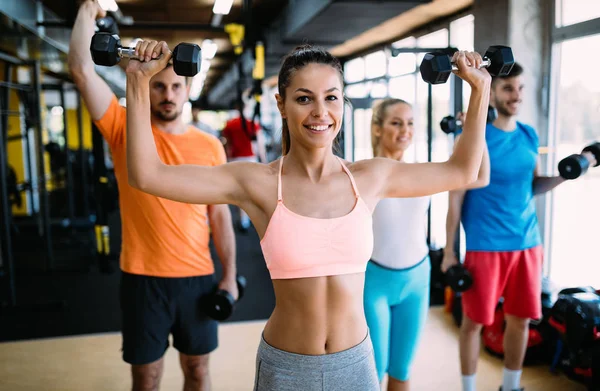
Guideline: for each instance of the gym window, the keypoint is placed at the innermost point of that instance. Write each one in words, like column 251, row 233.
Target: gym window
column 570, row 12
column 574, row 117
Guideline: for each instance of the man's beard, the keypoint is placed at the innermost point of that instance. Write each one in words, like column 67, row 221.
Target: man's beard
column 167, row 117
column 503, row 109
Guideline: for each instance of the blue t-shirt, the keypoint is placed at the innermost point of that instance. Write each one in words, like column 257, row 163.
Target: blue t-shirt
column 502, row 215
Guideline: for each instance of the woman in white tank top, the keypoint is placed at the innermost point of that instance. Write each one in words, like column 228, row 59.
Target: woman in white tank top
column 396, row 296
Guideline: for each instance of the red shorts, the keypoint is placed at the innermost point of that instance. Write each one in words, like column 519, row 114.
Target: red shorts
column 514, row 275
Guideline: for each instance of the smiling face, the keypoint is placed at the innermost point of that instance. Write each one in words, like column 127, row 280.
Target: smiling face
column 506, row 95
column 396, row 130
column 313, row 105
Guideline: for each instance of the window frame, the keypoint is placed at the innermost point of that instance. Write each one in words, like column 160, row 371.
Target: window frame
column 558, row 35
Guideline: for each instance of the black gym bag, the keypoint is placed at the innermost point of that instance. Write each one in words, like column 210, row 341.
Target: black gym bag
column 576, row 316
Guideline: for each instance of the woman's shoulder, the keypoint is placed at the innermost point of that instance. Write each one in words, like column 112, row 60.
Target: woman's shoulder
column 255, row 170
column 368, row 165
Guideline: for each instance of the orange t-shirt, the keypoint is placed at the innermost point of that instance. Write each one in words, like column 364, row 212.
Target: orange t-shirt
column 160, row 237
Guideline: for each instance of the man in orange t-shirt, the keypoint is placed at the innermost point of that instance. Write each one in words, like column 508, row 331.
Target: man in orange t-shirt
column 165, row 259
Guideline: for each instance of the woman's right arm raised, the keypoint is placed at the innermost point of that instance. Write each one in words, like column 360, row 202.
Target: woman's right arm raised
column 184, row 183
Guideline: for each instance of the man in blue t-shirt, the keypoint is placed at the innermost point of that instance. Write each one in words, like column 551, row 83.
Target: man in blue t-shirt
column 504, row 246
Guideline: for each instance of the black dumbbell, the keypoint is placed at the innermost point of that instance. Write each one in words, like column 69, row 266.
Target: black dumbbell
column 219, row 305
column 437, row 66
column 459, row 278
column 107, row 25
column 574, row 166
column 450, row 124
column 107, row 51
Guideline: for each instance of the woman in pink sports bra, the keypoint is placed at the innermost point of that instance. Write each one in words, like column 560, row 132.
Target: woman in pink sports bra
column 311, row 210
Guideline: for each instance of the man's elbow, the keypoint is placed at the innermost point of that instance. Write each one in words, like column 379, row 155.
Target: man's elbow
column 219, row 214
column 138, row 181
column 133, row 182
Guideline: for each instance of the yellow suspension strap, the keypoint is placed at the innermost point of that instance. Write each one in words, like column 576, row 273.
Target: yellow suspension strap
column 258, row 75
column 102, row 196
column 236, row 37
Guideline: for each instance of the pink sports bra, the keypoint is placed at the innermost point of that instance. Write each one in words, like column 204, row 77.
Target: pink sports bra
column 296, row 246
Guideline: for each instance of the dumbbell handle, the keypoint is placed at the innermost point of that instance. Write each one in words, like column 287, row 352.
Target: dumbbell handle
column 130, row 53
column 486, row 62
column 126, row 52
column 590, row 157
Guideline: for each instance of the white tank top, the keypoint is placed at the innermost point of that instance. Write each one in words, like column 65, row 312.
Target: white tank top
column 400, row 232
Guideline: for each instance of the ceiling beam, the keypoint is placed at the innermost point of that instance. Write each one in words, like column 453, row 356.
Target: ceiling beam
column 178, row 26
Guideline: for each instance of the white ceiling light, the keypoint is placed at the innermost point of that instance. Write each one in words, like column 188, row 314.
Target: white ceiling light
column 209, row 49
column 108, row 5
column 222, row 6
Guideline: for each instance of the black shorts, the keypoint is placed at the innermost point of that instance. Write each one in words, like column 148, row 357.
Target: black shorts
column 154, row 307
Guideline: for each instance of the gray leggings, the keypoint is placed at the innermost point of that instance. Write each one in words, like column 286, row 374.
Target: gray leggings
column 348, row 370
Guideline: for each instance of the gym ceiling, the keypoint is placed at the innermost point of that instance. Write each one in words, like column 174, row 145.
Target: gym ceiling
column 345, row 27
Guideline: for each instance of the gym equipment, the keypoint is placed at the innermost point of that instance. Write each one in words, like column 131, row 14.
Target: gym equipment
column 493, row 338
column 107, row 51
column 436, row 66
column 459, row 278
column 219, row 305
column 574, row 166
column 107, row 25
column 449, row 124
column 576, row 317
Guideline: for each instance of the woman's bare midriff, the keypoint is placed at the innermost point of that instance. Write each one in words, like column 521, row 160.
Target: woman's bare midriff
column 315, row 316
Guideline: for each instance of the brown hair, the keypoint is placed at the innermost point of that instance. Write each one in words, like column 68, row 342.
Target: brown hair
column 300, row 57
column 517, row 70
column 378, row 117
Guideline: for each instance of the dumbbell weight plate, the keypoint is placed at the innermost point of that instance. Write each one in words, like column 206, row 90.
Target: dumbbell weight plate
column 220, row 305
column 459, row 278
column 448, row 124
column 501, row 60
column 187, row 59
column 104, row 48
column 573, row 166
column 107, row 25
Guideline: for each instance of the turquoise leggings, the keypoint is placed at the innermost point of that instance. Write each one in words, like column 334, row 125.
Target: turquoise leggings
column 396, row 304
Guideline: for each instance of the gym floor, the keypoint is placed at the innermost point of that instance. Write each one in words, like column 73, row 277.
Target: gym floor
column 94, row 363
